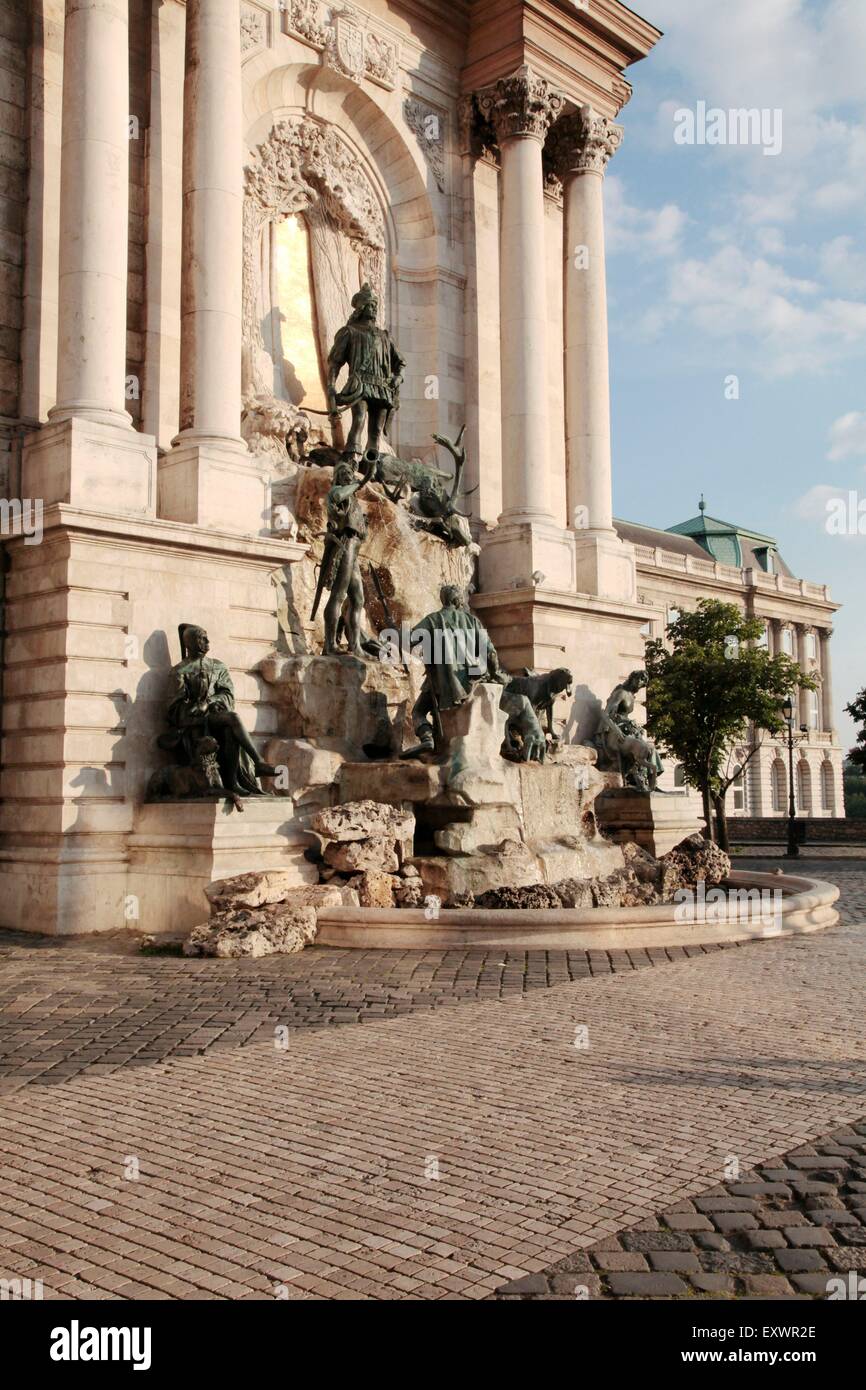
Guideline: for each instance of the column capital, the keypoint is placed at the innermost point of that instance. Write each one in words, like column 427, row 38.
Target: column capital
column 522, row 105
column 582, row 142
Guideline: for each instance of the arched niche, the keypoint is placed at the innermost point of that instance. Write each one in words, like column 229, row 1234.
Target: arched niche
column 310, row 209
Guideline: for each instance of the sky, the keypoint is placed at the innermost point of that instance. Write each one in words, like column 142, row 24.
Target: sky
column 728, row 262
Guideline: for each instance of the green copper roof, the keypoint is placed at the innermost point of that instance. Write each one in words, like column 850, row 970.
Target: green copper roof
column 723, row 540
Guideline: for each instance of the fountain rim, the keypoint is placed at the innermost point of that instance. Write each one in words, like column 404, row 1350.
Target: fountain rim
column 807, row 906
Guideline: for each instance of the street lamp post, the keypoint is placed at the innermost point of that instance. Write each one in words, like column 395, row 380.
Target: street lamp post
column 793, row 850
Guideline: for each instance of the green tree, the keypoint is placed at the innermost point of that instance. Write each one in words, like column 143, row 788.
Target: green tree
column 857, row 711
column 707, row 684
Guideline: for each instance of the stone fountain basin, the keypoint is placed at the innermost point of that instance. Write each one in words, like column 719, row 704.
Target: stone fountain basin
column 806, row 905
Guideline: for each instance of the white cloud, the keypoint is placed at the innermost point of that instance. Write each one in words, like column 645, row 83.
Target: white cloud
column 648, row 231
column 781, row 322
column 812, row 506
column 841, row 264
column 848, row 436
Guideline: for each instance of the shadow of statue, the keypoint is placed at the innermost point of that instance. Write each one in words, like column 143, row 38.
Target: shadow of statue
column 291, row 638
column 583, row 717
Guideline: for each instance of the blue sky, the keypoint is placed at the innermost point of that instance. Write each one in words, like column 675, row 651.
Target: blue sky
column 725, row 261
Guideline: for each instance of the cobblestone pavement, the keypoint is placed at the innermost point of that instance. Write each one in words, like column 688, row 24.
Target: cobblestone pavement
column 441, row 1153
column 791, row 1228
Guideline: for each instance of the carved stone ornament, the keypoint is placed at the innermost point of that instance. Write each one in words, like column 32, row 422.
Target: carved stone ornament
column 305, row 19
column 344, row 50
column 581, row 142
column 254, row 29
column 343, row 40
column 521, row 105
column 428, row 126
column 303, row 167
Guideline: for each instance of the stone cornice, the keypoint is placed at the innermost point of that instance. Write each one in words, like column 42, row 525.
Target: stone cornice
column 582, row 51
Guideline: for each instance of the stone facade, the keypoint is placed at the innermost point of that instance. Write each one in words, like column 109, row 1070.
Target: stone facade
column 672, row 574
column 450, row 154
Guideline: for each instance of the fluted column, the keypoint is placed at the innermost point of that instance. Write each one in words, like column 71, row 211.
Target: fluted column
column 827, row 714
column 209, row 478
column 520, row 109
column 581, row 146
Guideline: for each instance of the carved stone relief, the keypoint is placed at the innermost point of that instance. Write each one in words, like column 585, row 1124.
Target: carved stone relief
column 255, row 29
column 428, row 126
column 343, row 40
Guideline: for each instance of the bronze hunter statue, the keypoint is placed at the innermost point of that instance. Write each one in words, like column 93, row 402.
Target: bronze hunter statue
column 372, row 388
column 340, row 569
column 214, row 752
column 457, row 653
column 622, row 744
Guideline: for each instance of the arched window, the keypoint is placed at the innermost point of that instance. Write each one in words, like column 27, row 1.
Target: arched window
column 779, row 779
column 828, row 788
column 679, row 775
column 804, row 788
column 739, row 788
column 788, row 641
column 812, row 705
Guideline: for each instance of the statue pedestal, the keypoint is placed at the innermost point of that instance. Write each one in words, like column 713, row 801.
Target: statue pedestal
column 657, row 821
column 178, row 847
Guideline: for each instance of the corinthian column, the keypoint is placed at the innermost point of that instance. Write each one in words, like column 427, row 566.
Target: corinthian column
column 209, row 478
column 581, row 146
column 520, row 109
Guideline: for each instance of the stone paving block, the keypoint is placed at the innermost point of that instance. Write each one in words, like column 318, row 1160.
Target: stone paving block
column 647, row 1285
column 677, row 1261
column 808, row 1235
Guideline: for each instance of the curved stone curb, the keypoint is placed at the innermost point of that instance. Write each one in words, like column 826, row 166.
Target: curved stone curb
column 806, row 906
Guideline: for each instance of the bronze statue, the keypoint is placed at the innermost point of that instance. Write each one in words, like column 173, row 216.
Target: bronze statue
column 622, row 744
column 372, row 388
column 436, row 506
column 201, row 713
column 457, row 653
column 524, row 737
column 542, row 692
column 340, row 569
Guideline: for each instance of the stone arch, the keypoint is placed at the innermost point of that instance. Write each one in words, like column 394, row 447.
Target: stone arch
column 804, row 787
column 307, row 167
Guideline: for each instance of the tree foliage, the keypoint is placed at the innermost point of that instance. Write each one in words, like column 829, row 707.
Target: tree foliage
column 708, row 682
column 857, row 711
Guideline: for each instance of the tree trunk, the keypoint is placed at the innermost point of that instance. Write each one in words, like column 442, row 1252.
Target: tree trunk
column 708, row 814
column 721, row 822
